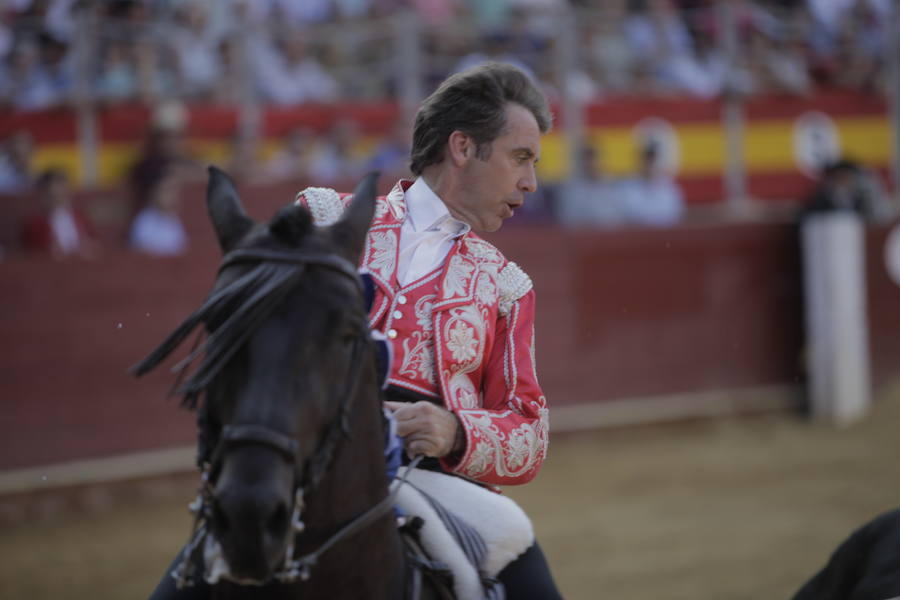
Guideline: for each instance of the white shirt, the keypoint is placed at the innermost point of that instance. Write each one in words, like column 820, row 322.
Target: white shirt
column 655, row 201
column 158, row 233
column 427, row 234
column 65, row 230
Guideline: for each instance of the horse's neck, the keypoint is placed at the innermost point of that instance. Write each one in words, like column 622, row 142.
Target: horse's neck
column 355, row 482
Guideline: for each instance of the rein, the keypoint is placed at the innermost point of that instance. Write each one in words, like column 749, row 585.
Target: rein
column 316, row 466
column 300, row 567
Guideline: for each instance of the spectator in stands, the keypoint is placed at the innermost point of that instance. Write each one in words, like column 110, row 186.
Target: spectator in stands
column 293, row 160
column 590, row 197
column 59, row 229
column 117, row 80
column 487, row 14
column 163, row 150
column 157, row 228
column 244, row 162
column 651, row 196
column 858, row 54
column 655, row 30
column 391, row 155
column 53, row 16
column 298, row 14
column 39, row 75
column 196, row 49
column 845, row 185
column 290, row 74
column 436, row 13
column 349, row 10
column 15, row 163
column 57, row 66
column 336, row 159
column 777, row 64
column 699, row 70
column 609, row 51
column 229, row 87
column 495, row 46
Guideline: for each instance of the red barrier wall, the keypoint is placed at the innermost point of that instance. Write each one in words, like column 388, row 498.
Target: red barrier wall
column 620, row 314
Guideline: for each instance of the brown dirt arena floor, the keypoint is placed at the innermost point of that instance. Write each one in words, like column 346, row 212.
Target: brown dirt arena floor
column 737, row 508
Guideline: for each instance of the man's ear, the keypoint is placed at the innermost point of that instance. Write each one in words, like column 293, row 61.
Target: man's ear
column 460, row 148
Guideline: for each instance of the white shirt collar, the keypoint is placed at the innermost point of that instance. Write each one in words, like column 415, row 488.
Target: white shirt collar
column 427, row 212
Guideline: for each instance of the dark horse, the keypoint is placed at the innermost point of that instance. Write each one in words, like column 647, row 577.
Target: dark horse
column 295, row 493
column 866, row 566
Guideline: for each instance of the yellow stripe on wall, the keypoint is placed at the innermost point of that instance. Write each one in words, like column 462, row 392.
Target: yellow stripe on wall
column 866, row 139
column 58, row 156
column 768, row 147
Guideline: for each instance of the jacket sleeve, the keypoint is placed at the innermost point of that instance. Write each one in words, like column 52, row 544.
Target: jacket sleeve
column 506, row 439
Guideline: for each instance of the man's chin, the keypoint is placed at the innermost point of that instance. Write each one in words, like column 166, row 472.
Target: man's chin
column 490, row 227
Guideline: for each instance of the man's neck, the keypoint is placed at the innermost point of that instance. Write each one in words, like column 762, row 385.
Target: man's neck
column 444, row 185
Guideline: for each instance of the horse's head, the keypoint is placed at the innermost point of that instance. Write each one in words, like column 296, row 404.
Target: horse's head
column 287, row 349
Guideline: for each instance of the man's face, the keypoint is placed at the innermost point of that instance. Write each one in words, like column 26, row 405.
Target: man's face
column 494, row 187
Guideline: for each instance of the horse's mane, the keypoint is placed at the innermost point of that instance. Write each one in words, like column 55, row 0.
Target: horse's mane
column 233, row 312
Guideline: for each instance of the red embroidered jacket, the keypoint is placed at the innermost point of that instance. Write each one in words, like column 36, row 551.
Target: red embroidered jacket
column 482, row 321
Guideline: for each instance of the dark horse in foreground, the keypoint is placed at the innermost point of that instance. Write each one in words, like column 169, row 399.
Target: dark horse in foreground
column 294, row 501
column 866, row 566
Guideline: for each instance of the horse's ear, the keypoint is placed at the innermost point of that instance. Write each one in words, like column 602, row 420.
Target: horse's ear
column 229, row 220
column 350, row 232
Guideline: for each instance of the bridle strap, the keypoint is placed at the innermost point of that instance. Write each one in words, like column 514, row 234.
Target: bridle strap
column 300, row 567
column 330, row 261
column 260, row 434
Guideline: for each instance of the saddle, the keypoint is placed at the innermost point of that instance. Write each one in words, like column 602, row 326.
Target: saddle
column 469, row 535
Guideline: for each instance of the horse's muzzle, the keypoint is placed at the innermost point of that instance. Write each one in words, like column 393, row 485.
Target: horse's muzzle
column 251, row 512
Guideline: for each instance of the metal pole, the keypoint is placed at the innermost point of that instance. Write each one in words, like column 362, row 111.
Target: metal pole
column 407, row 34
column 893, row 93
column 249, row 112
column 85, row 110
column 734, row 175
column 571, row 108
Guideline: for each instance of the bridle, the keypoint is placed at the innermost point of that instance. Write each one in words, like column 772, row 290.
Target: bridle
column 293, row 568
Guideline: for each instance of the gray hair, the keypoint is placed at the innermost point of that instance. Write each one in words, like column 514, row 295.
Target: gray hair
column 473, row 102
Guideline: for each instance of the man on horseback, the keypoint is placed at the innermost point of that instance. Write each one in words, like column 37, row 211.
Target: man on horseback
column 462, row 385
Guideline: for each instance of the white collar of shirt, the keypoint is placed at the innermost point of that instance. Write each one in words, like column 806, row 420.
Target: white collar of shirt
column 427, row 233
column 426, row 212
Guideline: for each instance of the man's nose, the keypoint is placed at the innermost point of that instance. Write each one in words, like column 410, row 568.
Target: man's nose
column 528, row 183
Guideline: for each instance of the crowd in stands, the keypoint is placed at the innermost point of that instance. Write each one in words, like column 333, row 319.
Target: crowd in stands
column 288, row 52
column 593, row 198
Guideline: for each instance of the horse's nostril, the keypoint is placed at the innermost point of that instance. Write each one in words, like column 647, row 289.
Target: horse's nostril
column 278, row 521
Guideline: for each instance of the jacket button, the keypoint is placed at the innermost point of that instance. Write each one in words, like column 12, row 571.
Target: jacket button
column 392, row 333
column 398, row 314
column 401, row 299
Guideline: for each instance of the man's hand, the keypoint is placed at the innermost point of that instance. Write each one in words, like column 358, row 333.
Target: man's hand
column 427, row 428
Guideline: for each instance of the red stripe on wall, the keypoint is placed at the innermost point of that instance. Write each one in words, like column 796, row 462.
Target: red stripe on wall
column 628, row 111
column 371, row 118
column 129, row 123
column 834, row 103
column 786, row 185
column 45, row 126
column 124, row 123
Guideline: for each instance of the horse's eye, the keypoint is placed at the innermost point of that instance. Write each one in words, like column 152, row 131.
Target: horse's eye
column 348, row 337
